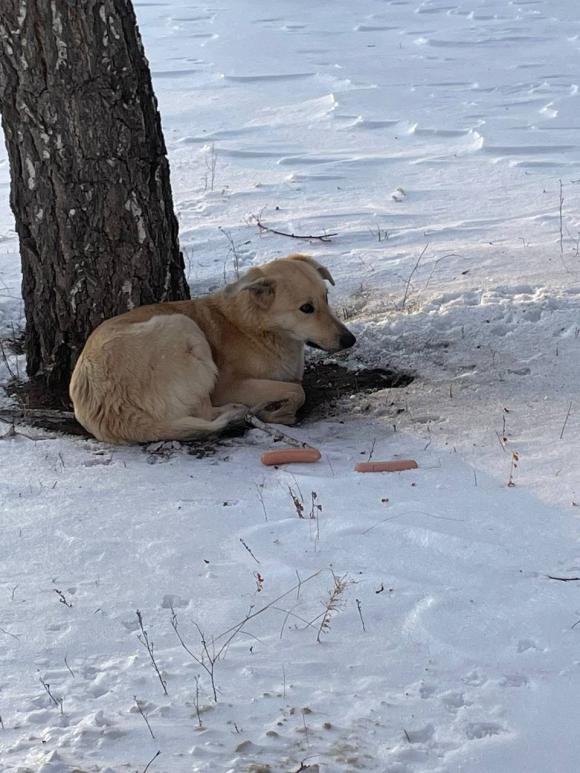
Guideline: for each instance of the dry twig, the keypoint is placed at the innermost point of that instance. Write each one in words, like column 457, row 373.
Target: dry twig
column 245, row 544
column 209, row 669
column 275, row 433
column 57, row 701
column 140, row 709
column 566, row 420
column 415, row 267
column 563, row 579
column 148, row 644
column 326, row 237
column 561, row 221
column 514, row 466
column 359, row 607
column 146, row 768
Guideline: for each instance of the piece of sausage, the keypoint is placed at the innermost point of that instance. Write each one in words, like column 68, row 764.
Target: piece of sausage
column 291, row 456
column 395, row 465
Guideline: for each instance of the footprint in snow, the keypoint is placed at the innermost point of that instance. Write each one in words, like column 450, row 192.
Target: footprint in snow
column 453, row 701
column 478, row 730
column 524, row 645
column 514, row 680
column 421, row 734
column 172, row 601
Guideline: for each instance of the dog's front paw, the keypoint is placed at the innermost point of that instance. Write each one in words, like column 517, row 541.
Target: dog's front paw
column 278, row 412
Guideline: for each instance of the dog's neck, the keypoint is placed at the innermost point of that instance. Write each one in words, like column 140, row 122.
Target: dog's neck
column 290, row 355
column 284, row 353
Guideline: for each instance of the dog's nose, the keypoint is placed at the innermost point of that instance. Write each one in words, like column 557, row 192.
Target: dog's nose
column 347, row 340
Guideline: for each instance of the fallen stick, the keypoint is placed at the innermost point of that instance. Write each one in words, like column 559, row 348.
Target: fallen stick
column 563, row 579
column 13, row 414
column 274, row 433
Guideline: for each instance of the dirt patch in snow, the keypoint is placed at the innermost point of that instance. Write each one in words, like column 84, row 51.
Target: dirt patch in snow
column 329, row 385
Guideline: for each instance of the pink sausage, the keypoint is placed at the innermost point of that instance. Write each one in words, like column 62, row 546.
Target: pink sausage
column 291, row 456
column 396, row 465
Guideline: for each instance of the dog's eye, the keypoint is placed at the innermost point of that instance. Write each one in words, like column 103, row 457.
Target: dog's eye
column 307, row 308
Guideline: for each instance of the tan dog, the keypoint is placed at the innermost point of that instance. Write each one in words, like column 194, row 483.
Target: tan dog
column 179, row 370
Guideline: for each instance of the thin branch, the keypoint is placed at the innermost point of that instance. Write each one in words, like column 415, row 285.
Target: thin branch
column 566, row 420
column 140, row 709
column 72, row 673
column 212, row 658
column 307, row 237
column 290, row 613
column 208, row 659
column 561, row 221
column 299, row 586
column 7, row 633
column 208, row 669
column 57, row 701
column 249, row 617
column 245, row 544
column 359, row 607
column 148, row 644
column 298, row 503
column 62, row 598
column 146, row 768
column 259, row 489
column 563, row 579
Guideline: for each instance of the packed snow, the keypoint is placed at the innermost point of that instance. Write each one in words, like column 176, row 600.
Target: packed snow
column 401, row 623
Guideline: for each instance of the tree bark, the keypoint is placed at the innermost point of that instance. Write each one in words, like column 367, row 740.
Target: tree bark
column 90, row 178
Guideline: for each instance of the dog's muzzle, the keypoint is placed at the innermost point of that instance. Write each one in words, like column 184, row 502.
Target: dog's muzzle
column 347, row 340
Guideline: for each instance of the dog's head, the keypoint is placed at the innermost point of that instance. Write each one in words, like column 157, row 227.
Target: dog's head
column 289, row 296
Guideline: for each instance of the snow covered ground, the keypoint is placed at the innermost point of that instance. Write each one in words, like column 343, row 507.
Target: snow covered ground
column 432, row 137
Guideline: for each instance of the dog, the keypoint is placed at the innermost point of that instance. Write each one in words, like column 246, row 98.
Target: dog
column 184, row 369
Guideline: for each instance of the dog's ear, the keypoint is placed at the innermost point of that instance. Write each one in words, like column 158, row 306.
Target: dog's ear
column 262, row 291
column 322, row 270
column 260, row 288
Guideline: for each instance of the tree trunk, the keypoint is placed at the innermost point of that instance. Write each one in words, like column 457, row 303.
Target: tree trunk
column 90, row 178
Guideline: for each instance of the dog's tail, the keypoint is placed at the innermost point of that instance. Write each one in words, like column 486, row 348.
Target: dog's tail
column 191, row 427
column 140, row 428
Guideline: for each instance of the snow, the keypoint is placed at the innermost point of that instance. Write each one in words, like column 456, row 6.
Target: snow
column 313, row 116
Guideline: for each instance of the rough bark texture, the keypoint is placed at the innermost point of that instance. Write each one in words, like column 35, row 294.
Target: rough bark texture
column 90, row 178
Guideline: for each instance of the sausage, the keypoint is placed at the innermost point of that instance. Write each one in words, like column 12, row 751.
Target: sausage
column 395, row 465
column 291, row 456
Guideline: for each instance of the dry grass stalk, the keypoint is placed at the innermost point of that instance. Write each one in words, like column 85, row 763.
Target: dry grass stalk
column 333, row 603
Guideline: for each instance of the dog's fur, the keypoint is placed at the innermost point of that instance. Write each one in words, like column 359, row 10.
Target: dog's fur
column 179, row 370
